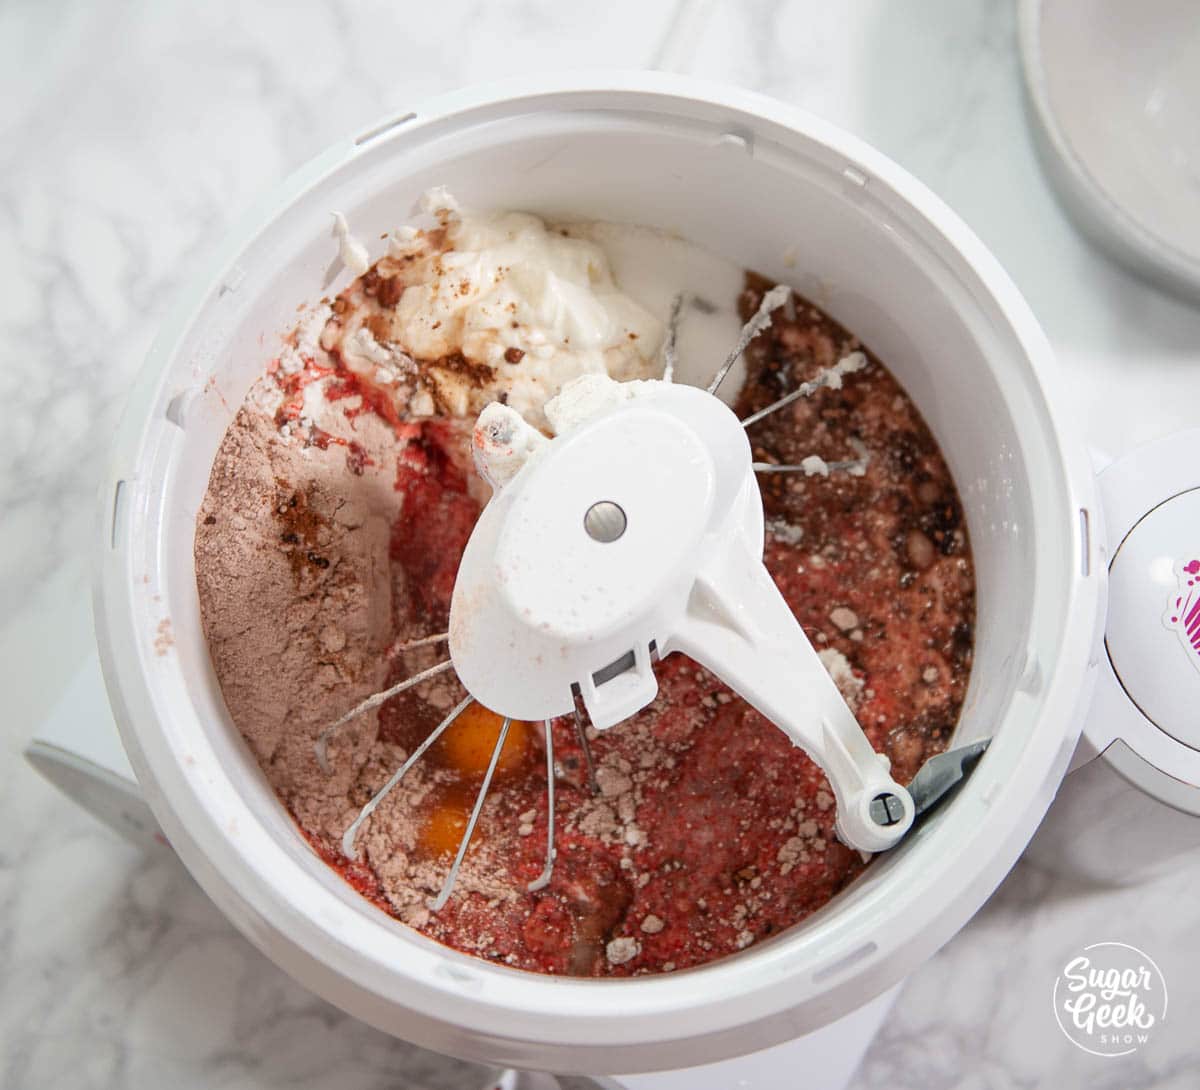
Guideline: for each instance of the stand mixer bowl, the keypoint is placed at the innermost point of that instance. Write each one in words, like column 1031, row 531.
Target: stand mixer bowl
column 747, row 178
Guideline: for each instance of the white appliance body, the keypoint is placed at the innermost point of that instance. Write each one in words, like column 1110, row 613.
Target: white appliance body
column 1130, row 807
column 749, row 179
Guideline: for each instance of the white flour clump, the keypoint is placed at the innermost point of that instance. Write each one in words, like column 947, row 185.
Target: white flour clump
column 849, row 684
column 622, row 950
column 586, row 397
column 502, row 443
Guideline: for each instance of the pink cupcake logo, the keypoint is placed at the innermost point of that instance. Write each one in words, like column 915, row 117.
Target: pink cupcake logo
column 1183, row 609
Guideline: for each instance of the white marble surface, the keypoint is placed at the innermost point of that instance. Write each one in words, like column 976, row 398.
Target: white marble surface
column 130, row 135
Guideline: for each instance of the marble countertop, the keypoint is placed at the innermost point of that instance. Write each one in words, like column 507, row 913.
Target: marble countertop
column 131, row 135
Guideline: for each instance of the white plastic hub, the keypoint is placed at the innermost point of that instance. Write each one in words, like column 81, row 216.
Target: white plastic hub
column 641, row 529
column 1154, row 616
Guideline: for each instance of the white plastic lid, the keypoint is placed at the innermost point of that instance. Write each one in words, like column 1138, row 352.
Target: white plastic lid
column 1149, row 684
column 1154, row 616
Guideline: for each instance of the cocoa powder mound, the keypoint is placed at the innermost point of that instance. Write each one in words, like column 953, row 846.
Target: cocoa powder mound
column 296, row 598
column 300, row 601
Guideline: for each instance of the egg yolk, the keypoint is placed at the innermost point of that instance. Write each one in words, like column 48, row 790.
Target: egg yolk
column 468, row 742
column 444, row 826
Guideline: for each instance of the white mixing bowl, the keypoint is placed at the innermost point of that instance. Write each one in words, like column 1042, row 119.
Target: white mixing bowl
column 750, row 179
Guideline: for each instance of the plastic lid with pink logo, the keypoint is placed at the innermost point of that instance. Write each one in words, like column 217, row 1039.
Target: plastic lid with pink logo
column 1154, row 616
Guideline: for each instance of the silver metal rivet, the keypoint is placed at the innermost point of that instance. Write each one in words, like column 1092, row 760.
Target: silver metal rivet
column 886, row 809
column 605, row 521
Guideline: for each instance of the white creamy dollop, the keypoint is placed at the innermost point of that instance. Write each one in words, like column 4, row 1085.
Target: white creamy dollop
column 352, row 252
column 437, row 200
column 536, row 306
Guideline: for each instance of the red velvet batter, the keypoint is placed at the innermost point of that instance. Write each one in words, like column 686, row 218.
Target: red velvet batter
column 721, row 832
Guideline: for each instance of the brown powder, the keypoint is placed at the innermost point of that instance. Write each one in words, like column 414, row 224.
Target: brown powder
column 300, row 602
column 295, row 597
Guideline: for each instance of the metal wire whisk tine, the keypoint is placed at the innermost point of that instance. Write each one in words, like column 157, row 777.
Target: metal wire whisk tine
column 831, row 376
column 831, row 467
column 669, row 343
column 543, row 879
column 399, row 647
column 586, row 746
column 452, row 875
column 349, row 836
column 321, row 745
column 771, row 302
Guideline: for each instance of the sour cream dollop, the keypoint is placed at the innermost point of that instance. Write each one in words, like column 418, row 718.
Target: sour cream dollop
column 527, row 300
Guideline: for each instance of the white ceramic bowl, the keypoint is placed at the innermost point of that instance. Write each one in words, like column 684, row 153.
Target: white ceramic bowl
column 1114, row 89
column 750, row 179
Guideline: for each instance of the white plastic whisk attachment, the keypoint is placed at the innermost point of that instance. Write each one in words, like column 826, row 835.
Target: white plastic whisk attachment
column 639, row 528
